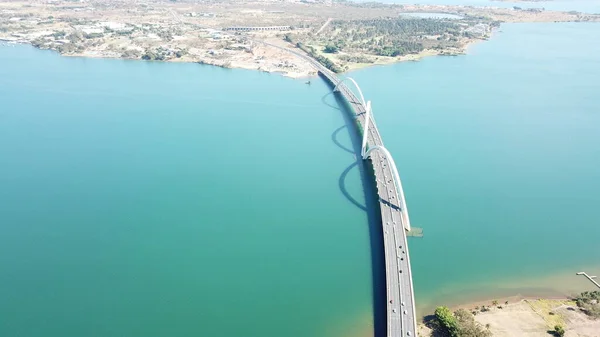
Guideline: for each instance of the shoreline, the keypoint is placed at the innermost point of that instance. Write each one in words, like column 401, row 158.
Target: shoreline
column 556, row 285
column 247, row 66
column 525, row 316
column 210, row 34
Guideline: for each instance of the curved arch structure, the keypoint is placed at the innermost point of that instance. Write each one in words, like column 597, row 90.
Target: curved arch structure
column 362, row 98
column 404, row 209
column 401, row 313
column 366, row 130
column 366, row 105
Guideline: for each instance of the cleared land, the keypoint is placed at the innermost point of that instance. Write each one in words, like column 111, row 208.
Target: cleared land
column 189, row 31
column 530, row 318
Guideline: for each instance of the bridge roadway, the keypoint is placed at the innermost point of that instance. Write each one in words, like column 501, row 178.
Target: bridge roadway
column 401, row 314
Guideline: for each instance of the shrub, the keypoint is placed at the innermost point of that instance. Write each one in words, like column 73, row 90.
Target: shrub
column 559, row 330
column 331, row 49
column 468, row 327
column 589, row 302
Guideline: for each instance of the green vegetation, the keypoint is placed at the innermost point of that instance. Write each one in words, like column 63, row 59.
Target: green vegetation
column 69, row 48
column 331, row 49
column 93, row 35
column 153, row 56
column 356, row 59
column 361, row 41
column 130, row 54
column 327, row 63
column 559, row 330
column 59, row 35
column 76, row 36
column 468, row 327
column 181, row 53
column 461, row 323
column 447, row 321
column 159, row 54
column 392, row 36
column 589, row 302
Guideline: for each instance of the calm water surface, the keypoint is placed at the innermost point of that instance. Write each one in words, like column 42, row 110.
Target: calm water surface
column 151, row 199
column 499, row 155
column 154, row 199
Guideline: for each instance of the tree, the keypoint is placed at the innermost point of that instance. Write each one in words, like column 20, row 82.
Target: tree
column 181, row 53
column 468, row 327
column 149, row 55
column 76, row 36
column 331, row 49
column 447, row 320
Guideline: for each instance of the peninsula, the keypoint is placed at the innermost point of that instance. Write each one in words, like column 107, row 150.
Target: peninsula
column 340, row 35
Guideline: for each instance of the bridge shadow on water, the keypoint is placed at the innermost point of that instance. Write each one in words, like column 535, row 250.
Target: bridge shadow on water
column 371, row 207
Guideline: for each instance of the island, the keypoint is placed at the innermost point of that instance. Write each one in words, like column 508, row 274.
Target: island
column 256, row 34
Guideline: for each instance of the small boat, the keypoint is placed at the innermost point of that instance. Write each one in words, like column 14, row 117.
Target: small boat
column 307, row 82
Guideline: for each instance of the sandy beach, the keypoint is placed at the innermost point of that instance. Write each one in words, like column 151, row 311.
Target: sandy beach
column 530, row 317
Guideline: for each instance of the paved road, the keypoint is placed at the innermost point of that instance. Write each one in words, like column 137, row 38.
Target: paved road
column 323, row 26
column 401, row 316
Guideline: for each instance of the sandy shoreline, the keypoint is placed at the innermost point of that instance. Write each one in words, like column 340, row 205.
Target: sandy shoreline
column 233, row 34
column 307, row 72
column 559, row 284
column 532, row 317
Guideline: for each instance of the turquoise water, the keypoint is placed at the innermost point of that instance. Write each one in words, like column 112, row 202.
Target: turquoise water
column 152, row 199
column 499, row 154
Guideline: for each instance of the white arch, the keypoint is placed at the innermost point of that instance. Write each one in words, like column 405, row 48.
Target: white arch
column 362, row 98
column 398, row 182
column 366, row 130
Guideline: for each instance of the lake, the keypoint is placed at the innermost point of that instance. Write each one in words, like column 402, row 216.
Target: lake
column 142, row 198
column 498, row 153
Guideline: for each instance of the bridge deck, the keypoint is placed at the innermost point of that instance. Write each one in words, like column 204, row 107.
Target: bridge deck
column 401, row 316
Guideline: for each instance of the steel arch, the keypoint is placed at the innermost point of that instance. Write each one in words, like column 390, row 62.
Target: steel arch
column 398, row 182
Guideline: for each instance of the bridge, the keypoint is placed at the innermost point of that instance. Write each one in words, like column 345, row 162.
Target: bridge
column 246, row 29
column 400, row 312
column 401, row 315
